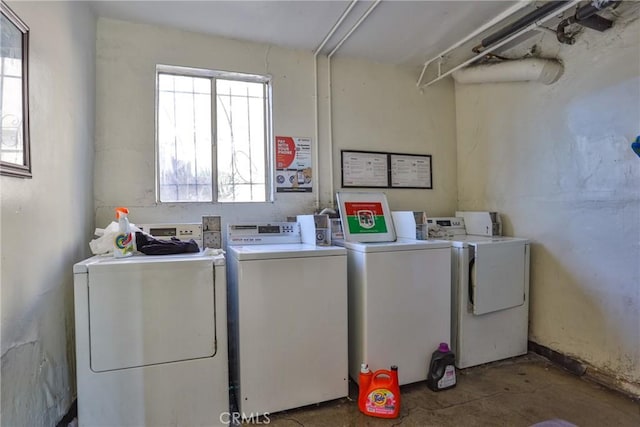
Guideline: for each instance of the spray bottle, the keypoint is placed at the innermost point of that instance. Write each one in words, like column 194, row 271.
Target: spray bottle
column 123, row 243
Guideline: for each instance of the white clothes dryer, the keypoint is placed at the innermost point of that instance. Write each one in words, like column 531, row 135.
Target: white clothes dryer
column 490, row 294
column 151, row 340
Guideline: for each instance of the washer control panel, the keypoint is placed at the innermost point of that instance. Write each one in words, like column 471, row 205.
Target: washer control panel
column 263, row 233
column 446, row 227
column 184, row 231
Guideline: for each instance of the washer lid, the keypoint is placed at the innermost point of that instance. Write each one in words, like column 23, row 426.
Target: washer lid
column 398, row 245
column 83, row 266
column 279, row 251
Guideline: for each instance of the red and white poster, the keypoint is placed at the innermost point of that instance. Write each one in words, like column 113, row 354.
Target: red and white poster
column 294, row 171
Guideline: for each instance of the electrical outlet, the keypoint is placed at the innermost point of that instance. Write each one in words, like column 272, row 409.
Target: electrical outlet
column 211, row 239
column 211, row 223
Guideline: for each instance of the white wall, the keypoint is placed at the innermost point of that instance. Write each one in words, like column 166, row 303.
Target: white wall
column 47, row 220
column 376, row 107
column 379, row 108
column 556, row 162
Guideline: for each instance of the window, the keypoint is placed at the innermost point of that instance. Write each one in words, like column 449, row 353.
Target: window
column 212, row 133
column 15, row 156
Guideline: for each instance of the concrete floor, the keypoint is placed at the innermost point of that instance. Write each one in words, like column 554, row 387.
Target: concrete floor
column 517, row 392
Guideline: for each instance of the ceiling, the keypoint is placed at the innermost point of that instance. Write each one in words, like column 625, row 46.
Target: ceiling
column 396, row 32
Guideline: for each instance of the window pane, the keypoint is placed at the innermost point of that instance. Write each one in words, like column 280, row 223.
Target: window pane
column 202, row 86
column 241, row 141
column 169, row 191
column 239, row 88
column 11, row 138
column 12, row 67
column 184, row 84
column 165, row 82
column 184, row 139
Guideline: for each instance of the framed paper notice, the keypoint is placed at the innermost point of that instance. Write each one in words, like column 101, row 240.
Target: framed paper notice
column 364, row 169
column 410, row 171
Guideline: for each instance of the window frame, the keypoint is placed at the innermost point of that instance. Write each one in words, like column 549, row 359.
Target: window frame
column 213, row 75
column 20, row 170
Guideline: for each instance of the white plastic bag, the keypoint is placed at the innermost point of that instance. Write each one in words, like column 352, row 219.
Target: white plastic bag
column 104, row 243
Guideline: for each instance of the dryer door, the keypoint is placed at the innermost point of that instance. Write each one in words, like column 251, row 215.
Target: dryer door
column 150, row 312
column 498, row 276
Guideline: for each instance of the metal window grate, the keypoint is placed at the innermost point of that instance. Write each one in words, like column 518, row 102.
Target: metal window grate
column 241, row 140
column 190, row 123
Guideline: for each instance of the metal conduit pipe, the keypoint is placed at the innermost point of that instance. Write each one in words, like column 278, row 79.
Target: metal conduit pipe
column 329, row 98
column 519, row 24
column 335, row 27
column 316, row 168
column 505, row 14
column 502, row 42
column 355, row 27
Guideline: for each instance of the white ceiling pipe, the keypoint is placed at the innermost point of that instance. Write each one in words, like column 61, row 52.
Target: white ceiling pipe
column 546, row 71
column 355, row 27
column 496, row 20
column 316, row 143
column 335, row 27
column 570, row 4
column 329, row 99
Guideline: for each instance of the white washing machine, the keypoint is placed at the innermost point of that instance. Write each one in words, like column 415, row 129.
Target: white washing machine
column 490, row 294
column 399, row 305
column 287, row 318
column 151, row 340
